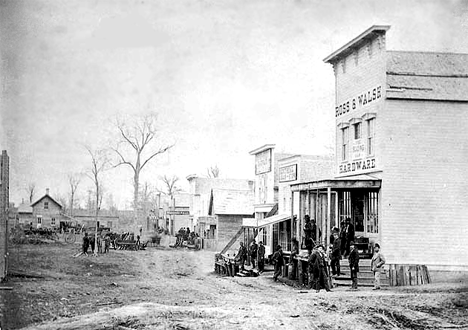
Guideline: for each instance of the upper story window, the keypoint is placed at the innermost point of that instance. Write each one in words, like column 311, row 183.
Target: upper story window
column 370, row 136
column 357, row 131
column 46, row 205
column 345, row 143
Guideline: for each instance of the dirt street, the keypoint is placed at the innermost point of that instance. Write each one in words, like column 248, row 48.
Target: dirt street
column 163, row 288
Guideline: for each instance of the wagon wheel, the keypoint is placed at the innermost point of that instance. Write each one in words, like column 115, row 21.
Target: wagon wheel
column 70, row 238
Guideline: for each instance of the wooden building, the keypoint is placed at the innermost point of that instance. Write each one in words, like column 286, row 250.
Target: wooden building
column 401, row 153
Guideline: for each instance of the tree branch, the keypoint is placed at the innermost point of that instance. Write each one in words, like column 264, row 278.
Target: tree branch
column 122, row 160
column 160, row 151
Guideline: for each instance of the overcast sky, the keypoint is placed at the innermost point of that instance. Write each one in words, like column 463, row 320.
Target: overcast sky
column 224, row 77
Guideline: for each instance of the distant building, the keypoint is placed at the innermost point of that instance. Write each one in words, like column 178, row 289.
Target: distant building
column 274, row 202
column 218, row 207
column 45, row 212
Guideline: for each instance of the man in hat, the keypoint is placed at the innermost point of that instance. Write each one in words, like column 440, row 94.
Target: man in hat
column 241, row 255
column 261, row 257
column 278, row 261
column 253, row 253
column 378, row 260
column 353, row 259
column 349, row 235
column 336, row 254
column 319, row 269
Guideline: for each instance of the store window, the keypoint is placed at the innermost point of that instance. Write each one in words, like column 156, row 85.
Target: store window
column 370, row 136
column 345, row 142
column 373, row 212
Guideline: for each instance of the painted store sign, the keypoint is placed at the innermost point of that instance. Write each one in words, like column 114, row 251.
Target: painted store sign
column 357, row 166
column 288, row 173
column 263, row 162
column 359, row 101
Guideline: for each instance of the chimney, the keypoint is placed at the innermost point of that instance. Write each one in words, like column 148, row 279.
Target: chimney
column 47, row 191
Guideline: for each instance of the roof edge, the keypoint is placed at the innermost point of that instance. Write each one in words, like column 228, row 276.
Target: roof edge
column 374, row 28
column 262, row 148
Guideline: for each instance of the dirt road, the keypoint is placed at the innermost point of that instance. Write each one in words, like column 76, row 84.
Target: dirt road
column 176, row 289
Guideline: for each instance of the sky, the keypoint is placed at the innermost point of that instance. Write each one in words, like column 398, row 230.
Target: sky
column 223, row 78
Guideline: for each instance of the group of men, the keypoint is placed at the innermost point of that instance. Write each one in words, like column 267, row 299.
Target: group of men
column 89, row 242
column 256, row 253
column 341, row 245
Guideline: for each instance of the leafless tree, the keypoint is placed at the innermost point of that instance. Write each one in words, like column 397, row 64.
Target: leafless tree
column 31, row 189
column 136, row 149
column 213, row 171
column 73, row 180
column 63, row 202
column 170, row 185
column 99, row 163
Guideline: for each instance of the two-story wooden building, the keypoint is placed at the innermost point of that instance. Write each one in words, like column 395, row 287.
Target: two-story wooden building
column 401, row 152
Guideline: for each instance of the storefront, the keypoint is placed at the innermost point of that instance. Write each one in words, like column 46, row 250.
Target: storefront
column 400, row 159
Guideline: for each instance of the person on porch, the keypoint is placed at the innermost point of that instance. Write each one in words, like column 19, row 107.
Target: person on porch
column 349, row 235
column 336, row 255
column 308, row 234
column 241, row 255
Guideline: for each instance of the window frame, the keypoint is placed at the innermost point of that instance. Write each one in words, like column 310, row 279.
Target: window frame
column 344, row 143
column 370, row 136
column 46, row 205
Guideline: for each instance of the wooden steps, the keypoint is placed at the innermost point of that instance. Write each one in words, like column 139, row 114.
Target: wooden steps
column 365, row 274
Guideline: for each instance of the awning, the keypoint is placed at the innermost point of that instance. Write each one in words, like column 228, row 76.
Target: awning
column 339, row 183
column 267, row 221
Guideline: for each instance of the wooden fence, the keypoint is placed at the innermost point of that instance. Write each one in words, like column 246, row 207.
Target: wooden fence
column 403, row 275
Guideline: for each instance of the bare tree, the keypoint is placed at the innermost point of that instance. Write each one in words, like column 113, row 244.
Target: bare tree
column 31, row 189
column 73, row 180
column 63, row 202
column 135, row 149
column 213, row 171
column 99, row 163
column 170, row 185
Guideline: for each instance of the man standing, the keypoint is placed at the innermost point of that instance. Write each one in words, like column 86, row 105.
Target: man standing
column 378, row 260
column 278, row 260
column 353, row 265
column 253, row 253
column 319, row 269
column 241, row 255
column 261, row 257
column 308, row 234
column 336, row 255
column 292, row 260
column 349, row 234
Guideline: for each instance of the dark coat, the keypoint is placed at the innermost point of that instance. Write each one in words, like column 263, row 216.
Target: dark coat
column 316, row 263
column 261, row 252
column 278, row 258
column 350, row 232
column 253, row 250
column 353, row 259
column 336, row 251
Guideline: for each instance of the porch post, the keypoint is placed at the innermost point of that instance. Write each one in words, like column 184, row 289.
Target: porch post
column 327, row 238
column 292, row 217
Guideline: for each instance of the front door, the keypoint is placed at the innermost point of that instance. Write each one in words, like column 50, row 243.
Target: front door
column 357, row 211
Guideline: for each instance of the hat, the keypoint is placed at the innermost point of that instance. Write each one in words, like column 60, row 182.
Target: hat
column 351, row 243
column 377, row 245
